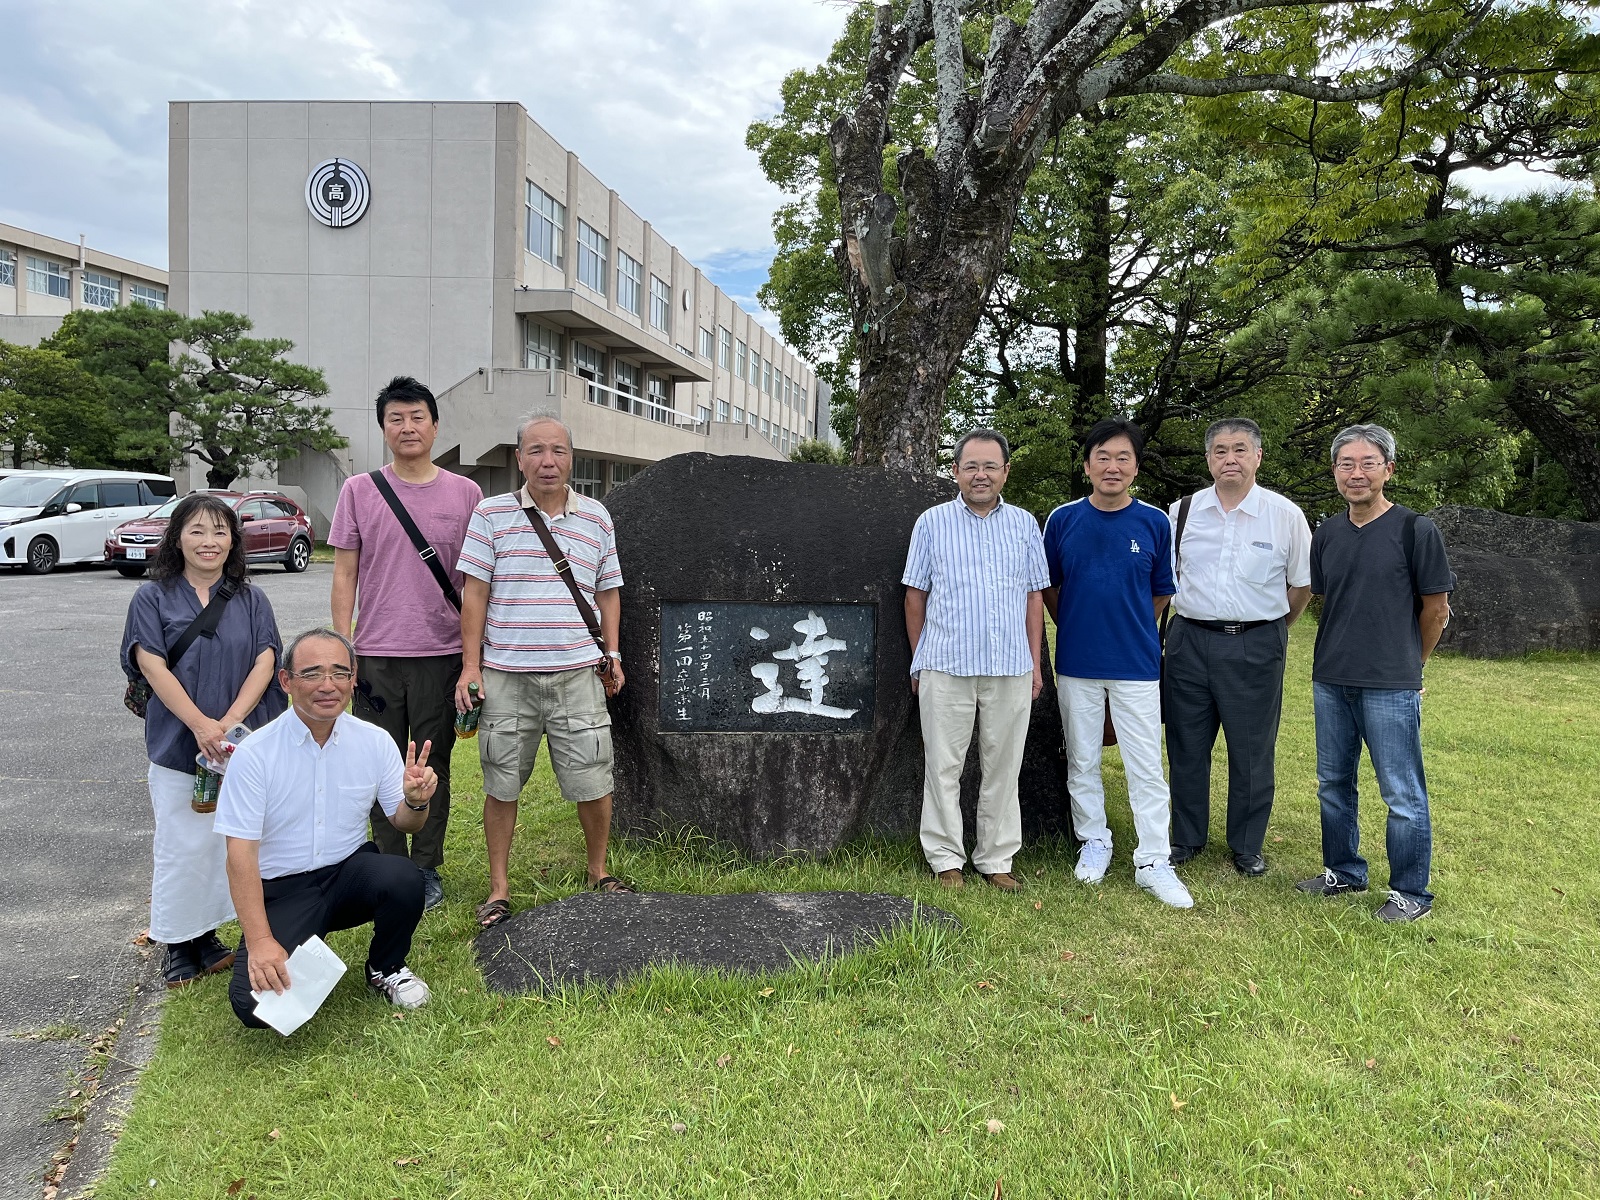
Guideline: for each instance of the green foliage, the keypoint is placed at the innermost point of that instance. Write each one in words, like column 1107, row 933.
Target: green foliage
column 52, row 411
column 814, row 450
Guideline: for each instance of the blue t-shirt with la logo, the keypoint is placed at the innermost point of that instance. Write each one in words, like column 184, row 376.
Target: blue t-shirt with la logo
column 1108, row 566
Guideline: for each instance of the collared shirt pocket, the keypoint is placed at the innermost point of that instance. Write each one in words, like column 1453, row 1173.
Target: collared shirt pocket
column 1262, row 562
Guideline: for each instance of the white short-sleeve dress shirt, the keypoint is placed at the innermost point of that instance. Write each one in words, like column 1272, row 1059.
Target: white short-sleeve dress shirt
column 1239, row 565
column 308, row 804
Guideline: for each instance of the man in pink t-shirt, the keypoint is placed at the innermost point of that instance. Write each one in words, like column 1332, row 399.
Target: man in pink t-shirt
column 408, row 637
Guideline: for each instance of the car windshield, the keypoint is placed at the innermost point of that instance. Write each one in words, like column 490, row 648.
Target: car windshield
column 28, row 491
column 164, row 511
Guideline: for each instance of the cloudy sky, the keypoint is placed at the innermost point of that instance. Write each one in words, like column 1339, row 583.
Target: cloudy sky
column 653, row 95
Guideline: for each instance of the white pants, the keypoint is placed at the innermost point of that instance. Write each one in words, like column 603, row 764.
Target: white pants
column 948, row 704
column 1136, row 715
column 189, row 890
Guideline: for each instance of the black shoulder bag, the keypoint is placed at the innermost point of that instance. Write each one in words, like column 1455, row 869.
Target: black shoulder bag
column 137, row 698
column 424, row 551
column 564, row 569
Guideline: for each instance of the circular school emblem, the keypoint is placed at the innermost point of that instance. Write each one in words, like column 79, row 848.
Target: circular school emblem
column 337, row 192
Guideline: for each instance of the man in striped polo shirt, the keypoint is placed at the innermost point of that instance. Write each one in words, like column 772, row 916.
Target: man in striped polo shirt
column 527, row 646
column 975, row 577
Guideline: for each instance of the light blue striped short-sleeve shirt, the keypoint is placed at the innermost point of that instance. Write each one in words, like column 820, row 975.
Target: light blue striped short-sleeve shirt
column 977, row 572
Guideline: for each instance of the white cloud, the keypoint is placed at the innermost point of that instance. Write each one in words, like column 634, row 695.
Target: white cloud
column 654, row 97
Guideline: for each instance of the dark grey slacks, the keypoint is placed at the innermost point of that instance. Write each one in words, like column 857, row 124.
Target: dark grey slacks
column 1233, row 682
column 413, row 699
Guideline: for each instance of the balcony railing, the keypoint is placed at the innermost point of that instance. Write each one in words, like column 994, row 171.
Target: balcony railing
column 640, row 406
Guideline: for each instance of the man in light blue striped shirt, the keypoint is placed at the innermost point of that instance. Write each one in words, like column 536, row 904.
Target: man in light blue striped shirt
column 975, row 577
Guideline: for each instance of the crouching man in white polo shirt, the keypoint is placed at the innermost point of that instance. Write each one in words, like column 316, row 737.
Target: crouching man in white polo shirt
column 294, row 806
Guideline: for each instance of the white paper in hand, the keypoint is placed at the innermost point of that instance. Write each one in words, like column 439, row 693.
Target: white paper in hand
column 313, row 970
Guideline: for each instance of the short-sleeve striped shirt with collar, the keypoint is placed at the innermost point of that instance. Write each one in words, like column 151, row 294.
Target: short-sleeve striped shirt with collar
column 532, row 623
column 977, row 572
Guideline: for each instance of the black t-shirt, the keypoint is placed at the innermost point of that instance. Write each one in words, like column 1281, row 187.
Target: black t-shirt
column 1368, row 635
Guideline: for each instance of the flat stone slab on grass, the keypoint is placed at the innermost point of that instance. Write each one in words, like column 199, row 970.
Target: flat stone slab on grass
column 607, row 938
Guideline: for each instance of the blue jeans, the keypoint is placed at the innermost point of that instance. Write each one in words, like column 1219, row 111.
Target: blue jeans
column 1389, row 721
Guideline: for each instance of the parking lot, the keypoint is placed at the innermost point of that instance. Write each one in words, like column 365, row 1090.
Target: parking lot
column 75, row 829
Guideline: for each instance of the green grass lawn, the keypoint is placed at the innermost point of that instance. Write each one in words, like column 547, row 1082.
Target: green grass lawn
column 1068, row 1042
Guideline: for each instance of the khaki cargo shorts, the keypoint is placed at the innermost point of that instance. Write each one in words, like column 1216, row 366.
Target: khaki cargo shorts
column 568, row 708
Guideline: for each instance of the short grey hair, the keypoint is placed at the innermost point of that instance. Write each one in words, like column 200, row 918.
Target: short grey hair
column 984, row 435
column 1373, row 435
column 1233, row 425
column 321, row 633
column 539, row 416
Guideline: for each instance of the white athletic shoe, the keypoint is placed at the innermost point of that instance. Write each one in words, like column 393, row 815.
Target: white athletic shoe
column 1093, row 860
column 401, row 988
column 1162, row 882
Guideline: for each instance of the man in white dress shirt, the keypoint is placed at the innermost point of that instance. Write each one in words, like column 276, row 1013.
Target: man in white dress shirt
column 294, row 806
column 1241, row 558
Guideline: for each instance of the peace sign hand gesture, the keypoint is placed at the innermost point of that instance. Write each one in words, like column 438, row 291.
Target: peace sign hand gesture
column 420, row 779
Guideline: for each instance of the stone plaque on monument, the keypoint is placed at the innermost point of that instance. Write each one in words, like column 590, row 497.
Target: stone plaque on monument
column 773, row 668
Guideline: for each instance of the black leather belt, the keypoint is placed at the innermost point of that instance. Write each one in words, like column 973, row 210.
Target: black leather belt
column 1230, row 626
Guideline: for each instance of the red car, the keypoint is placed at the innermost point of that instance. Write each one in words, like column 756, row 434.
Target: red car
column 276, row 530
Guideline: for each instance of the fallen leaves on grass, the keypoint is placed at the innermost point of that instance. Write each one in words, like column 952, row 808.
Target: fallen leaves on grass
column 275, row 1134
column 1067, row 956
column 766, row 991
column 1371, row 1064
column 994, row 1126
column 553, row 1041
column 724, row 1060
column 1254, row 990
column 406, row 1162
column 1038, row 906
column 1557, row 890
column 679, row 1127
column 236, row 1187
column 1177, row 1105
column 790, row 1050
column 984, row 983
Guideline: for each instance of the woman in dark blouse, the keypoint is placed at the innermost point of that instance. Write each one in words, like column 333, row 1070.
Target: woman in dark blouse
column 221, row 680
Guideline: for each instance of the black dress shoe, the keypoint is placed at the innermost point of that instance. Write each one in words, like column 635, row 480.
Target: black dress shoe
column 1252, row 865
column 1182, row 854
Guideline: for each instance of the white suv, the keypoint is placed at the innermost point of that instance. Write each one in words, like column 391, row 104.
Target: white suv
column 52, row 517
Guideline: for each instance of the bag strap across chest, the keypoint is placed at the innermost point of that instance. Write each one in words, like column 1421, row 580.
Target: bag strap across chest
column 425, row 552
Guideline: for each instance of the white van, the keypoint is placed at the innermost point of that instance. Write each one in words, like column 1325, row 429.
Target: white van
column 51, row 517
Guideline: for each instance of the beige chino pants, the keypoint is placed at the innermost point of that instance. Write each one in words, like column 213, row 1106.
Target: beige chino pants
column 949, row 704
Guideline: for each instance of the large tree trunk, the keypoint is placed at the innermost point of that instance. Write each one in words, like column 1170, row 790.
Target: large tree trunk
column 1577, row 449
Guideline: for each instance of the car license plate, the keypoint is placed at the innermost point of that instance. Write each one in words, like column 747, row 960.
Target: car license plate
column 136, row 553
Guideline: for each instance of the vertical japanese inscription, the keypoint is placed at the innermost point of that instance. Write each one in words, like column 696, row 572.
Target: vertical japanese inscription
column 739, row 667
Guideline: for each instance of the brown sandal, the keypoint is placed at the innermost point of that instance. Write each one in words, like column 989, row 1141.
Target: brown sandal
column 611, row 885
column 492, row 912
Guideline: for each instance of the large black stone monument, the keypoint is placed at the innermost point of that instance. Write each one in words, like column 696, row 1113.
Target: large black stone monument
column 763, row 632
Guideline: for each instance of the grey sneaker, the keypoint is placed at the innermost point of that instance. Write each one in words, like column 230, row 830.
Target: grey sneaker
column 432, row 889
column 1328, row 884
column 1402, row 908
column 1093, row 860
column 400, row 987
column 1162, row 882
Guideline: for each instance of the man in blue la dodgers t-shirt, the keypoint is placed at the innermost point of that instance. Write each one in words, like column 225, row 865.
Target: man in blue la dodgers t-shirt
column 1111, row 575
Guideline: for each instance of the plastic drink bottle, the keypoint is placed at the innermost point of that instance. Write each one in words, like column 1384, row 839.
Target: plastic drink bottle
column 467, row 722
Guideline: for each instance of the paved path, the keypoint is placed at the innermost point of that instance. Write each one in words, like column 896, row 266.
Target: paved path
column 75, row 829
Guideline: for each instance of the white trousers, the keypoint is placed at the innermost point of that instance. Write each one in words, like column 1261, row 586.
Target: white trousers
column 949, row 704
column 1136, row 715
column 189, row 889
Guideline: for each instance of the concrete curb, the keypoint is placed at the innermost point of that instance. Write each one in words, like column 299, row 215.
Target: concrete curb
column 137, row 1031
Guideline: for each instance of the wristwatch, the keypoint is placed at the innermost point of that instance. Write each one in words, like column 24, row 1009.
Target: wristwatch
column 616, row 654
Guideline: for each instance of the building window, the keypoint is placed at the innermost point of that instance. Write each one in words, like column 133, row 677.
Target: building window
column 588, row 476
column 49, row 278
column 660, row 399
column 594, row 252
column 660, row 305
column 722, row 411
column 752, row 418
column 705, row 344
column 755, row 368
column 801, row 393
column 629, row 380
column 546, row 235
column 8, row 268
column 147, row 295
column 630, row 284
column 724, row 347
column 589, row 363
column 702, row 414
column 766, row 377
column 766, row 430
column 622, row 472
column 541, row 348
column 739, row 351
column 738, row 415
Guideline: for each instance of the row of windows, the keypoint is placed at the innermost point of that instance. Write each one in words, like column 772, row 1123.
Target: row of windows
column 589, row 475
column 49, row 278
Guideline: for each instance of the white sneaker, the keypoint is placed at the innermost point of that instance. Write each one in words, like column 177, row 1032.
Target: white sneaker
column 1093, row 860
column 1162, row 882
column 401, row 988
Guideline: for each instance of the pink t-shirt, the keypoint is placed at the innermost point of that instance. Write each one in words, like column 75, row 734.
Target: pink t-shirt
column 402, row 611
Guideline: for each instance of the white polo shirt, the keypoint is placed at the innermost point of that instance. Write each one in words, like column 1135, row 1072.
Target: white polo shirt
column 1239, row 565
column 308, row 804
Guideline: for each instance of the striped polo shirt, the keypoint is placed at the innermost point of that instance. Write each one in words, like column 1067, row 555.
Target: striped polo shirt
column 532, row 623
column 977, row 572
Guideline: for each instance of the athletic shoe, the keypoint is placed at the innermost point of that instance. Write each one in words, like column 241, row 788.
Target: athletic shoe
column 1093, row 860
column 181, row 966
column 1328, row 884
column 1402, row 908
column 432, row 889
column 399, row 987
column 211, row 953
column 1162, row 882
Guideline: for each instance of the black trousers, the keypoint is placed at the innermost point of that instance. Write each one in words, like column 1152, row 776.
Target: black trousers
column 367, row 886
column 413, row 699
column 1233, row 682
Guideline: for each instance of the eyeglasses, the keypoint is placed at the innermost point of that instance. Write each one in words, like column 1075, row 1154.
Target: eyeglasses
column 974, row 468
column 317, row 675
column 1345, row 465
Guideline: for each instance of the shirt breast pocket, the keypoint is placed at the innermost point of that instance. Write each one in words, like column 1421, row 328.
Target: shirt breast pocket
column 1261, row 563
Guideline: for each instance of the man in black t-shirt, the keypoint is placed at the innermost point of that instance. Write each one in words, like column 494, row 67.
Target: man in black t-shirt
column 1385, row 581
